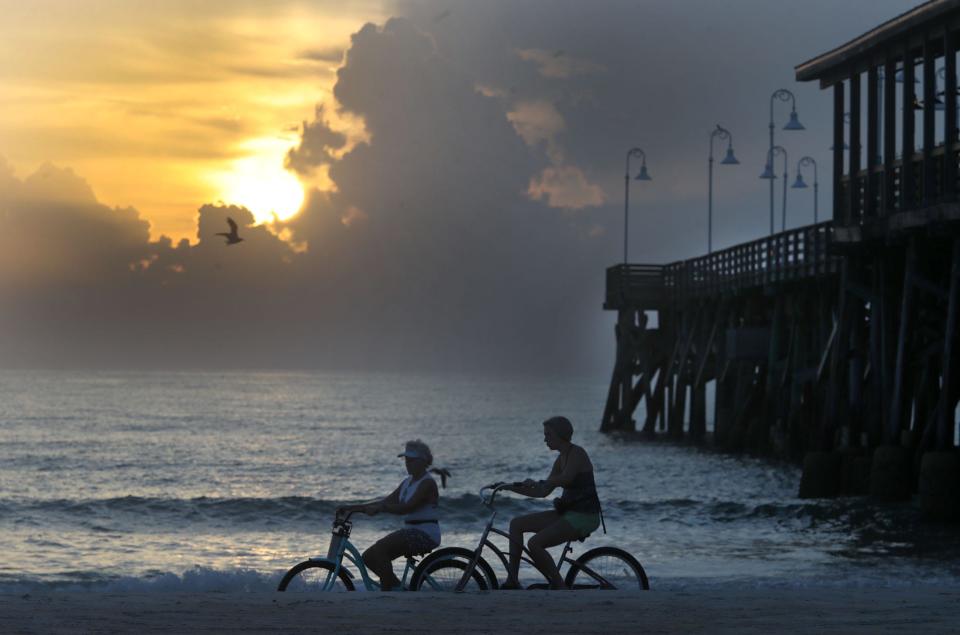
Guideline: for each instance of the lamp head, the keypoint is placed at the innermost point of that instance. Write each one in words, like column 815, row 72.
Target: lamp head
column 768, row 172
column 730, row 159
column 794, row 123
column 799, row 183
column 643, row 176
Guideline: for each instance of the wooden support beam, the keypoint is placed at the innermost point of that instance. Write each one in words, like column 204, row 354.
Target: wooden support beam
column 947, row 400
column 838, row 358
column 876, row 387
column 907, row 185
column 930, row 164
column 838, row 125
column 698, row 412
column 886, row 331
column 626, row 371
column 950, row 135
column 930, row 287
column 906, row 310
column 889, row 136
column 870, row 197
column 855, row 202
column 655, row 402
column 708, row 349
column 610, row 411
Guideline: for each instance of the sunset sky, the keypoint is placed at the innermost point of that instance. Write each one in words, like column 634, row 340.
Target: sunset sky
column 421, row 183
column 165, row 105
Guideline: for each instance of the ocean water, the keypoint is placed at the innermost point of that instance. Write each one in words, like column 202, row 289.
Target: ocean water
column 221, row 481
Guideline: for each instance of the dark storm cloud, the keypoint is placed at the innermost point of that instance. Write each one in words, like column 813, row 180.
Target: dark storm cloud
column 317, row 144
column 663, row 75
column 473, row 228
column 54, row 232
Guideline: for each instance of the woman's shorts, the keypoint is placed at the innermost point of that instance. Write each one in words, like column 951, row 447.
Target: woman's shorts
column 414, row 541
column 585, row 524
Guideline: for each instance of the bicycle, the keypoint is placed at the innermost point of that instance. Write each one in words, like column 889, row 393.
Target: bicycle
column 328, row 573
column 598, row 568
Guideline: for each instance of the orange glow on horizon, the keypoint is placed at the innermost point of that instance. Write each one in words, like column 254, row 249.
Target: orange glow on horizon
column 168, row 107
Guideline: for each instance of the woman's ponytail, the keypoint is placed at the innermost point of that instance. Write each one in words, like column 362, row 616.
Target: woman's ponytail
column 443, row 473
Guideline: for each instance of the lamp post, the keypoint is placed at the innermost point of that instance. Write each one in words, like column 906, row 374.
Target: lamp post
column 794, row 124
column 642, row 176
column 724, row 135
column 768, row 174
column 799, row 183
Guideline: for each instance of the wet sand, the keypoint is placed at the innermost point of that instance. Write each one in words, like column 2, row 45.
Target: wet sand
column 915, row 610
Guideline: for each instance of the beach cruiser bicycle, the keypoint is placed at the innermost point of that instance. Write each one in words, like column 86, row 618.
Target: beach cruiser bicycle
column 331, row 573
column 598, row 568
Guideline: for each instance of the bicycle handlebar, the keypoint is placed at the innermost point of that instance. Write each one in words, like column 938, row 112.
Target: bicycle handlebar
column 494, row 489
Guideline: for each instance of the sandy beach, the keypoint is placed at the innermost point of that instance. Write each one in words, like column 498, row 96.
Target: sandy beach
column 916, row 610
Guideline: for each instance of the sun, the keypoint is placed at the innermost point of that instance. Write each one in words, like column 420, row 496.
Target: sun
column 259, row 182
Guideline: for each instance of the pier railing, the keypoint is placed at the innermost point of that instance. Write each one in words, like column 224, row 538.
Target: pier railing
column 879, row 191
column 791, row 255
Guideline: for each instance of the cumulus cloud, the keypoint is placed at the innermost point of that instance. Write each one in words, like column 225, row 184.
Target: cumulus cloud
column 318, row 145
column 54, row 231
column 538, row 121
column 565, row 187
column 428, row 253
column 441, row 245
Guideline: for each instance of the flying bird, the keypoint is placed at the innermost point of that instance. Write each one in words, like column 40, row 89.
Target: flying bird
column 232, row 237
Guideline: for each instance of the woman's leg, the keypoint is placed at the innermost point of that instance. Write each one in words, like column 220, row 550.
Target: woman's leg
column 379, row 558
column 556, row 534
column 519, row 526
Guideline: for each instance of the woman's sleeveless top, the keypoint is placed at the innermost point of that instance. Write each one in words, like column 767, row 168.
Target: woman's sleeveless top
column 426, row 517
column 580, row 496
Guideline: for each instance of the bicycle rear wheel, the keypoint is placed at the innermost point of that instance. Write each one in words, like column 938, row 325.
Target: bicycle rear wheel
column 458, row 554
column 445, row 574
column 310, row 576
column 607, row 568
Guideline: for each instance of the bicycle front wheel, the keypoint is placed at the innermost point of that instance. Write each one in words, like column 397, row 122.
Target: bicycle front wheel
column 445, row 574
column 417, row 581
column 607, row 568
column 313, row 576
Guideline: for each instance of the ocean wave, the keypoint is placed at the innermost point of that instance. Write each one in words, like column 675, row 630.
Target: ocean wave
column 116, row 514
column 241, row 510
column 198, row 579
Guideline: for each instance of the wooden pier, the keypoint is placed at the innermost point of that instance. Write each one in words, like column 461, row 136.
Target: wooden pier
column 832, row 344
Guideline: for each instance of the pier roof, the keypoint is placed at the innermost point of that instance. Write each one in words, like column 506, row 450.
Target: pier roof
column 860, row 52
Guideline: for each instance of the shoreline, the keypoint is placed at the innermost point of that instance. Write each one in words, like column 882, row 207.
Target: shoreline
column 926, row 609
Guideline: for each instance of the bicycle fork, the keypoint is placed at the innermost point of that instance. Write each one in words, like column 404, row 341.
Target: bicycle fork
column 468, row 572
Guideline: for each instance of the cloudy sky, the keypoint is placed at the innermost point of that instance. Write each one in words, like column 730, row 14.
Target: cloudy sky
column 421, row 185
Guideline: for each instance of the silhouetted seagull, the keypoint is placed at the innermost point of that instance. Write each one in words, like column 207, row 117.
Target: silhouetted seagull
column 232, row 237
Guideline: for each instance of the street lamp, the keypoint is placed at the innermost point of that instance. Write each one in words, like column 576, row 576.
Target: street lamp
column 768, row 174
column 642, row 176
column 794, row 124
column 799, row 183
column 724, row 135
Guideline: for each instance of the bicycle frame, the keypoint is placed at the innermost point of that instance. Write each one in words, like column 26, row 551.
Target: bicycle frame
column 524, row 552
column 341, row 547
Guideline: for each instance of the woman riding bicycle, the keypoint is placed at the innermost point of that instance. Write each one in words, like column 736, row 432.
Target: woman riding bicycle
column 416, row 500
column 577, row 511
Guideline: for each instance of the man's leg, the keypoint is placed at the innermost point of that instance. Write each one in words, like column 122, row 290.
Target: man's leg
column 379, row 558
column 519, row 526
column 556, row 534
